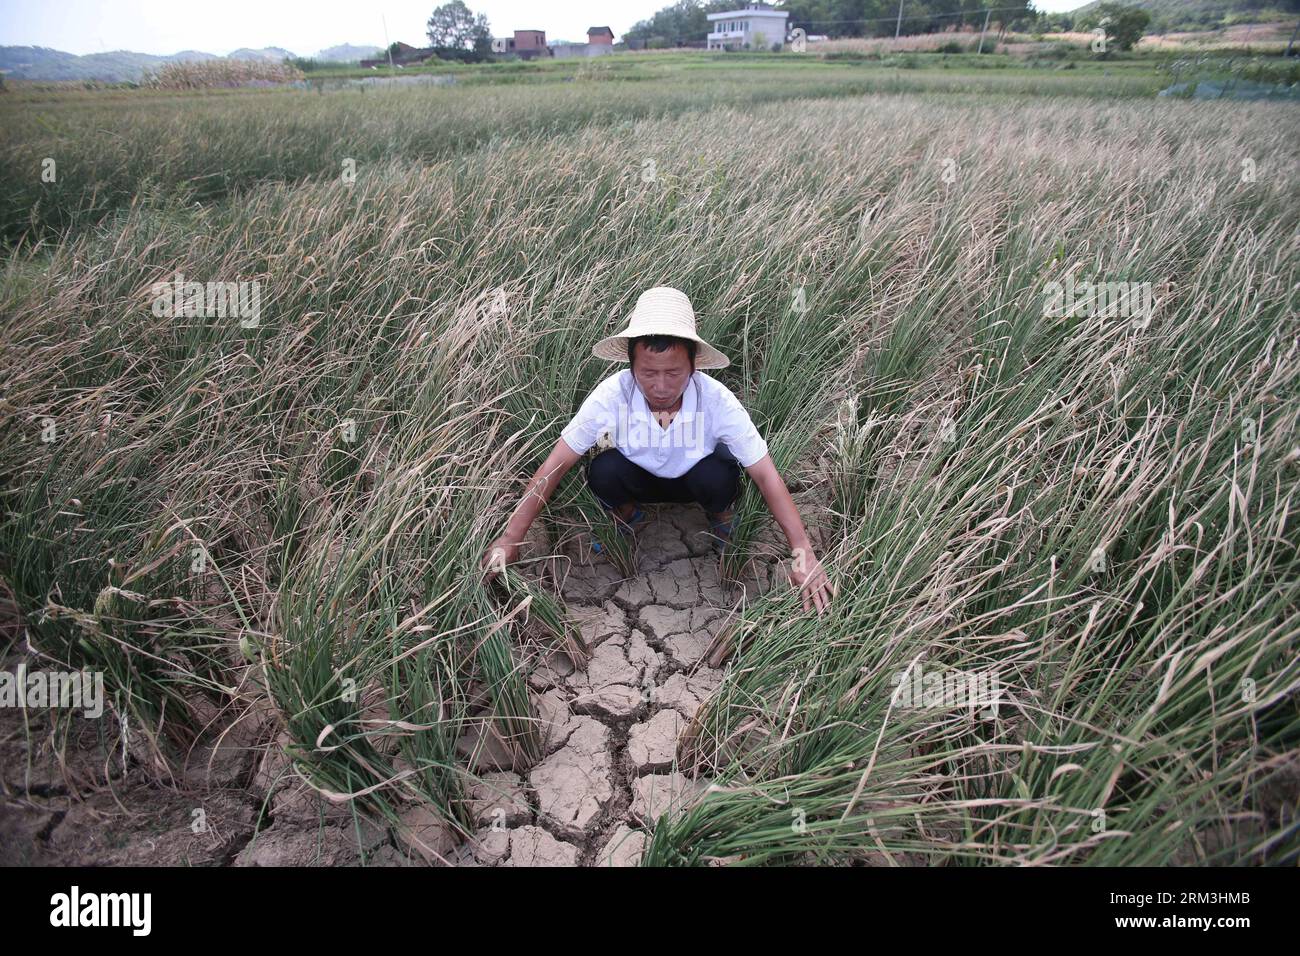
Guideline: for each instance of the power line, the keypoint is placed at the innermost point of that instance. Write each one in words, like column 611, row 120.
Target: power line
column 934, row 16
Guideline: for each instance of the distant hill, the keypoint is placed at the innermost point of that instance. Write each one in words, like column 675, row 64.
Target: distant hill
column 1174, row 15
column 118, row 66
column 42, row 63
column 123, row 66
column 274, row 54
column 347, row 53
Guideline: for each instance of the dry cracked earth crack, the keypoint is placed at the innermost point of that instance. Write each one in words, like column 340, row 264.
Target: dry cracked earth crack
column 610, row 730
column 605, row 776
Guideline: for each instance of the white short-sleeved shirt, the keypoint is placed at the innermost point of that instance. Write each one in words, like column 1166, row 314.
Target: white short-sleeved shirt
column 710, row 414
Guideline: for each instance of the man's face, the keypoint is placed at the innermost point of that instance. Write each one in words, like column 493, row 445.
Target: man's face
column 662, row 375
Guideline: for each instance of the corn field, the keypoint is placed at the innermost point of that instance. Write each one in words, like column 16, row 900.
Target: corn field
column 206, row 74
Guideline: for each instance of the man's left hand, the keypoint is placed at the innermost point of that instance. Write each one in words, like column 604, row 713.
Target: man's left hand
column 808, row 575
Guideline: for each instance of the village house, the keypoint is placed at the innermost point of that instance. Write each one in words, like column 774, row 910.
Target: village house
column 756, row 27
column 402, row 54
column 600, row 41
column 525, row 44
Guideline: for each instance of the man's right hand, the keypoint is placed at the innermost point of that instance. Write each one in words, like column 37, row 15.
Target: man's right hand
column 500, row 552
column 503, row 550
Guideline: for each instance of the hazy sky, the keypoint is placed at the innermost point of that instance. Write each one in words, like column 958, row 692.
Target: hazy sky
column 168, row 26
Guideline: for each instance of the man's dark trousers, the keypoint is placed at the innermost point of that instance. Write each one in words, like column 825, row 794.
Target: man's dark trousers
column 713, row 482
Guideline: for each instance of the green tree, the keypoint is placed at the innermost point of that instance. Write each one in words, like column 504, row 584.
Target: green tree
column 682, row 22
column 687, row 19
column 1124, row 26
column 455, row 26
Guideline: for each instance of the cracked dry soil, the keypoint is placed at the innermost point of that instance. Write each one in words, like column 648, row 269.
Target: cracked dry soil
column 606, row 773
column 610, row 730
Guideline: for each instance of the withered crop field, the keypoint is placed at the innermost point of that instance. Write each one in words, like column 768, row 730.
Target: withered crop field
column 1025, row 354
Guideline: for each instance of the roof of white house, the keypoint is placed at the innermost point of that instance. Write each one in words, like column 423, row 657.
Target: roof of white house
column 741, row 14
column 759, row 12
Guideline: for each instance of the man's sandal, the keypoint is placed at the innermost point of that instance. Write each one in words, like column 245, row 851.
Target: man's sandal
column 721, row 534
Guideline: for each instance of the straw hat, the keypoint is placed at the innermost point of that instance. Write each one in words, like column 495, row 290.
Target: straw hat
column 662, row 310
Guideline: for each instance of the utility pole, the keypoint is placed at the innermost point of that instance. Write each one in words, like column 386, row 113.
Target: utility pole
column 898, row 27
column 985, row 30
column 387, row 44
column 1291, row 42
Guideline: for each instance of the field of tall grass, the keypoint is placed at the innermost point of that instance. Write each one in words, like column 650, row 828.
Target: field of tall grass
column 288, row 510
column 1254, row 37
column 110, row 150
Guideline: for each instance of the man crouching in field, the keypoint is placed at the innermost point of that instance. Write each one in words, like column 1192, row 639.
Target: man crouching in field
column 678, row 435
